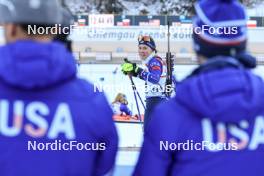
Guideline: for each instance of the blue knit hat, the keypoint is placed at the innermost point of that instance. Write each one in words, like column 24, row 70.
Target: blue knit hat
column 147, row 40
column 220, row 28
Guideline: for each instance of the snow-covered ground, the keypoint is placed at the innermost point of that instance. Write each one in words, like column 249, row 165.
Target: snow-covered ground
column 114, row 83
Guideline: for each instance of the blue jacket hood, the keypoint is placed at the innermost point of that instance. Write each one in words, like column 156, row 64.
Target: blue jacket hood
column 227, row 95
column 30, row 65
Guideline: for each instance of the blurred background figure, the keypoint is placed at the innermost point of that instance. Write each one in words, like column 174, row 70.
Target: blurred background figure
column 120, row 105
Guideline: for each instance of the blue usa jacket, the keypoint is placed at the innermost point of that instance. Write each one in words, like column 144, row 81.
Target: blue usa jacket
column 49, row 118
column 214, row 126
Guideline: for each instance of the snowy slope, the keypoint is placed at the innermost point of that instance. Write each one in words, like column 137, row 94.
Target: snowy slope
column 149, row 7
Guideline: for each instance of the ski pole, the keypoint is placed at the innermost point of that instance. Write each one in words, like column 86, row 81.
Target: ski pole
column 135, row 90
column 135, row 96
